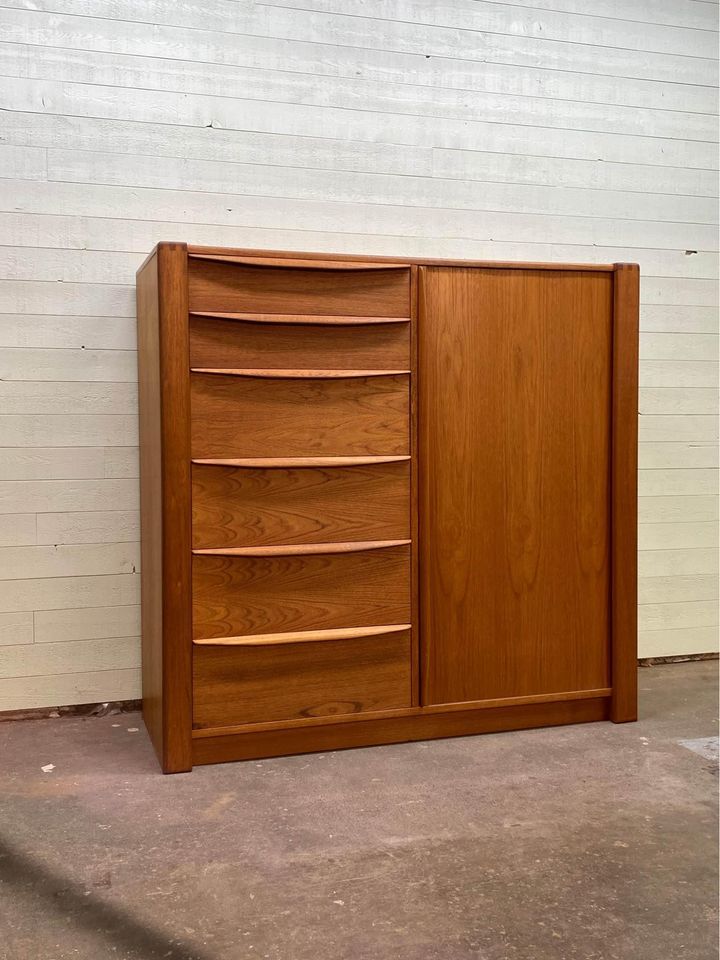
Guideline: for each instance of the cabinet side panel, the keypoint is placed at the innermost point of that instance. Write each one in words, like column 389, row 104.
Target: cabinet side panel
column 624, row 492
column 515, row 399
column 176, row 505
column 148, row 317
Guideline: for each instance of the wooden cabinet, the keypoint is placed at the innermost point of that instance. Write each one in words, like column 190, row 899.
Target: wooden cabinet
column 382, row 500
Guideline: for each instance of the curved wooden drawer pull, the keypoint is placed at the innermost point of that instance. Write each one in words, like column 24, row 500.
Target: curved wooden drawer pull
column 298, row 264
column 300, row 319
column 302, row 549
column 303, row 636
column 299, row 374
column 294, row 463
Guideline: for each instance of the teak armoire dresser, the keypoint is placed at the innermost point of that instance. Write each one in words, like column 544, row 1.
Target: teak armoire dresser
column 383, row 499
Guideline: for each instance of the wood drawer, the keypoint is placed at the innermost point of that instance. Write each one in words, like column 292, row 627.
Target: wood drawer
column 261, row 341
column 236, row 506
column 257, row 416
column 297, row 287
column 236, row 595
column 254, row 684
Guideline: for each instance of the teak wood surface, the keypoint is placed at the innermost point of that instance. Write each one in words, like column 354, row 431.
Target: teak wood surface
column 221, row 343
column 288, row 262
column 163, row 374
column 515, row 391
column 256, row 417
column 250, row 507
column 289, row 463
column 300, row 680
column 302, row 549
column 245, row 595
column 511, row 599
column 303, row 636
column 300, row 319
column 624, row 491
column 231, row 287
column 357, row 730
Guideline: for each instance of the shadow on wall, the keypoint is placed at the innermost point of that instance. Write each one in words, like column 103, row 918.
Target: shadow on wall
column 70, row 901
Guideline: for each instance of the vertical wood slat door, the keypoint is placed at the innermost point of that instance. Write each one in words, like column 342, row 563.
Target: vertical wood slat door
column 515, row 432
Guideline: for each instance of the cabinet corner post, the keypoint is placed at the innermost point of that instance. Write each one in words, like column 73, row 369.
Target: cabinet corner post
column 164, row 398
column 624, row 463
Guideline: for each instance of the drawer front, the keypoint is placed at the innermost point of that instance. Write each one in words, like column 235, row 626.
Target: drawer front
column 235, row 685
column 247, row 416
column 240, row 596
column 247, row 506
column 301, row 489
column 236, row 287
column 223, row 342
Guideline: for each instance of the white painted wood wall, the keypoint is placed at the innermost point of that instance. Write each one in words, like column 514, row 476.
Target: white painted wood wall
column 528, row 130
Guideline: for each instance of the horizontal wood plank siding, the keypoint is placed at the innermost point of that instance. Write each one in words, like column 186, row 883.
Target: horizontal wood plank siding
column 527, row 130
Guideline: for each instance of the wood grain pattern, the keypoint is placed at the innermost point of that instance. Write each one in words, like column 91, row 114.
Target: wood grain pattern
column 223, row 343
column 285, row 463
column 292, row 263
column 305, row 510
column 246, row 417
column 361, row 732
column 237, row 506
column 302, row 549
column 515, row 436
column 300, row 319
column 256, row 684
column 231, row 287
column 297, row 374
column 399, row 713
column 177, row 571
column 235, row 596
column 165, row 501
column 304, row 636
column 414, row 487
column 624, row 587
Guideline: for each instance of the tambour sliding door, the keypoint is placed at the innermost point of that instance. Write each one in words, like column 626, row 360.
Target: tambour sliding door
column 515, row 436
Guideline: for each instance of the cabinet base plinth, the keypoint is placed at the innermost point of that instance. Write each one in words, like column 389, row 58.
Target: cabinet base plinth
column 253, row 745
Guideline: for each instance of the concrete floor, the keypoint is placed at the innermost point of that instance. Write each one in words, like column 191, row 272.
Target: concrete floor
column 594, row 842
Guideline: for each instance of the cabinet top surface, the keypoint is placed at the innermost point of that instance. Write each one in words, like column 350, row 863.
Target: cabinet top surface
column 351, row 258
